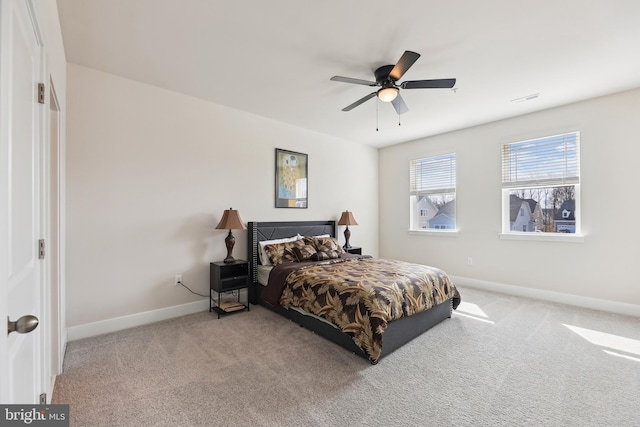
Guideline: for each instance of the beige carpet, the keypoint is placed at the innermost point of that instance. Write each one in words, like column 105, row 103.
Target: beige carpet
column 500, row 361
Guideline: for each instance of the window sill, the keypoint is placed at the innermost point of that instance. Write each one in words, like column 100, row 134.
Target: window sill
column 544, row 237
column 449, row 233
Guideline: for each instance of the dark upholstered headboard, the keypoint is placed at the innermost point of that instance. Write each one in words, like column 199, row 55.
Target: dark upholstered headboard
column 259, row 231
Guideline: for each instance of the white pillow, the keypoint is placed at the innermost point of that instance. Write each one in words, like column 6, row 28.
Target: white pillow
column 264, row 258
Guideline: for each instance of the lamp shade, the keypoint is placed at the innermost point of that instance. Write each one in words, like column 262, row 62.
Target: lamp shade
column 347, row 219
column 231, row 221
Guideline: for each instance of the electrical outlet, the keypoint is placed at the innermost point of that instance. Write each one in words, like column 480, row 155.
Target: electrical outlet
column 178, row 279
column 469, row 261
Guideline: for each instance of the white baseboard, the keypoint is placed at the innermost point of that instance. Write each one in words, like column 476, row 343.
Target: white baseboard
column 558, row 297
column 130, row 321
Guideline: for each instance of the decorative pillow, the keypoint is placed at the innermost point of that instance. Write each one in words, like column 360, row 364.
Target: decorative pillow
column 304, row 253
column 323, row 256
column 325, row 244
column 264, row 258
column 283, row 252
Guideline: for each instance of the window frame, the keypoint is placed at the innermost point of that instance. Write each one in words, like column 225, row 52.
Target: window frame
column 414, row 222
column 506, row 190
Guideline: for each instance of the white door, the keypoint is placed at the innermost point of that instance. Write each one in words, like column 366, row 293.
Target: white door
column 21, row 118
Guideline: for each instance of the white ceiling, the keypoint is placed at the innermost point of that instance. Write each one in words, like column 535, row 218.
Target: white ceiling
column 274, row 58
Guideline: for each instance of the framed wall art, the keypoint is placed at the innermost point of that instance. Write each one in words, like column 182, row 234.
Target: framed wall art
column 291, row 179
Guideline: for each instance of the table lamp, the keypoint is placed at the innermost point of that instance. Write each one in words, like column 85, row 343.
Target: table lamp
column 230, row 221
column 347, row 219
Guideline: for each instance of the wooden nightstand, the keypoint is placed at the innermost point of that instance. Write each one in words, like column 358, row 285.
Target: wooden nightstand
column 353, row 250
column 225, row 278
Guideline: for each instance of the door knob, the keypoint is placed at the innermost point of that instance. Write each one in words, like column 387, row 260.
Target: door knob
column 23, row 325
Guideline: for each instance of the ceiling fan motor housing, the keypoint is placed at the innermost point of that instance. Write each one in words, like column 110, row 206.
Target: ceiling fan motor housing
column 382, row 75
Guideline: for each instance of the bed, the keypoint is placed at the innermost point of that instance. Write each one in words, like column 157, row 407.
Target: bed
column 269, row 287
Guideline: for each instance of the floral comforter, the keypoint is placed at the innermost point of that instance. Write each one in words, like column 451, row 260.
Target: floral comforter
column 360, row 295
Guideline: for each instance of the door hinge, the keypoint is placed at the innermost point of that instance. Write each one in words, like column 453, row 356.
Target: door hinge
column 43, row 399
column 41, row 93
column 41, row 249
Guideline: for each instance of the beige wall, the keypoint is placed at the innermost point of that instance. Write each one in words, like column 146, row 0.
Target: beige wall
column 149, row 173
column 603, row 266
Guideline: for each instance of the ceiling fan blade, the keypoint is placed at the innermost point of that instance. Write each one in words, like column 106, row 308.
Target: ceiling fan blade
column 354, row 81
column 429, row 84
column 359, row 101
column 405, row 62
column 399, row 105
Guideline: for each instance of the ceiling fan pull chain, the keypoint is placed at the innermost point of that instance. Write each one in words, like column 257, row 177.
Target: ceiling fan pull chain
column 398, row 119
column 377, row 103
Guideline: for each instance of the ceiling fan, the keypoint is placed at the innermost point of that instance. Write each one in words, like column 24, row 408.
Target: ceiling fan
column 387, row 78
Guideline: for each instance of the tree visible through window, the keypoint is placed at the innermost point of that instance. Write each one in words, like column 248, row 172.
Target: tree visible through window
column 540, row 184
column 433, row 193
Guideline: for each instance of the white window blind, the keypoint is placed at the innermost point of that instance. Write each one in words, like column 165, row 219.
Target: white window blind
column 550, row 161
column 433, row 175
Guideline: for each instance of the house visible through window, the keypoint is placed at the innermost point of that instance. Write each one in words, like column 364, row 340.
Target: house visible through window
column 541, row 184
column 433, row 193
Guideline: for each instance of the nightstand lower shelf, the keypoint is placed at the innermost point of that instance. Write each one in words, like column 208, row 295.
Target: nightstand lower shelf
column 219, row 306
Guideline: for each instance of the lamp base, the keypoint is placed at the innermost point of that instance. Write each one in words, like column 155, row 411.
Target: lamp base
column 347, row 235
column 230, row 241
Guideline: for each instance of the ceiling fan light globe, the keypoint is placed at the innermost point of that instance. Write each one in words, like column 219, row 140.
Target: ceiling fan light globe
column 388, row 94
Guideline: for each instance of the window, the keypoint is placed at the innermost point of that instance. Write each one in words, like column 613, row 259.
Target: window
column 432, row 197
column 540, row 185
